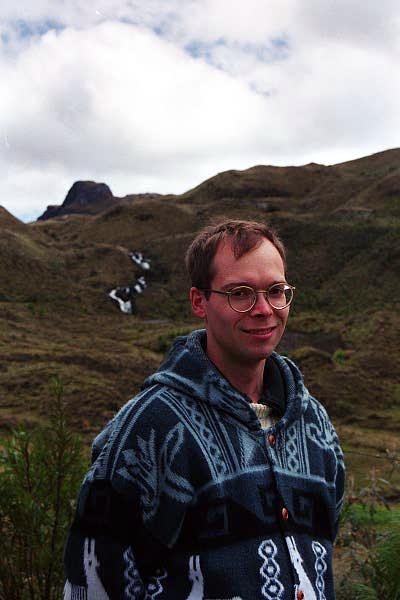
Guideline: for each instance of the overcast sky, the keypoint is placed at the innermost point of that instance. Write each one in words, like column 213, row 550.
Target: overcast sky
column 159, row 95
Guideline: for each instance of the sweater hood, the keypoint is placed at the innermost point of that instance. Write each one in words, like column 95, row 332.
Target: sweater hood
column 188, row 370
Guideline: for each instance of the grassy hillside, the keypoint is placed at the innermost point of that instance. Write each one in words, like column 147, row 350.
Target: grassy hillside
column 341, row 227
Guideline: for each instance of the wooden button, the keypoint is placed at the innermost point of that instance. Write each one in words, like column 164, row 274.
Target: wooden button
column 300, row 595
column 271, row 439
column 285, row 514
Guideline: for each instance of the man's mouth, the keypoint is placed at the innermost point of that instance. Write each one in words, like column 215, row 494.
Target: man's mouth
column 263, row 331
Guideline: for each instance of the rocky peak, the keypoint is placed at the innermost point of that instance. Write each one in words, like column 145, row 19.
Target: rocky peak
column 84, row 197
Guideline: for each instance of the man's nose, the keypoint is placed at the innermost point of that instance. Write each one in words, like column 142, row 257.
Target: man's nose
column 262, row 306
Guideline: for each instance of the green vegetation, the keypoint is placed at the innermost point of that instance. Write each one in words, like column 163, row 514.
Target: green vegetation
column 380, row 572
column 40, row 471
column 341, row 225
column 341, row 356
column 363, row 515
column 367, row 553
column 165, row 340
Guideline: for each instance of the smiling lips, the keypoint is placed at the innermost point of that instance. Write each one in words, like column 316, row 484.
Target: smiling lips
column 264, row 331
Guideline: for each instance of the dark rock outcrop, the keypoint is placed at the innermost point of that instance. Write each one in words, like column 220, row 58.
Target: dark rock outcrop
column 84, row 197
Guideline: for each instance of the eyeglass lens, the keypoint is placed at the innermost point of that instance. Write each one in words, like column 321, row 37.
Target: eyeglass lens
column 243, row 298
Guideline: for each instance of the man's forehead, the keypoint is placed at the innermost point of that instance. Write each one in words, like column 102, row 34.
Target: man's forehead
column 226, row 249
column 262, row 257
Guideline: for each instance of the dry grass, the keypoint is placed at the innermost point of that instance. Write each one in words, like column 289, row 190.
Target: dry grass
column 56, row 318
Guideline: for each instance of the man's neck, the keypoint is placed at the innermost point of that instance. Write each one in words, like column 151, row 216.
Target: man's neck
column 248, row 379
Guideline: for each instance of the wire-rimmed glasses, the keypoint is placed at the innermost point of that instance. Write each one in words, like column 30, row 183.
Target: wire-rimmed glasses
column 242, row 298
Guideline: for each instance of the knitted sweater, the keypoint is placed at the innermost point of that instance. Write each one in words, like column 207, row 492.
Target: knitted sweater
column 189, row 498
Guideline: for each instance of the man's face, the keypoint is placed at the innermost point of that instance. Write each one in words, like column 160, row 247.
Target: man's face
column 238, row 339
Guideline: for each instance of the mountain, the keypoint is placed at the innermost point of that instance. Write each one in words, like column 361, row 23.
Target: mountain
column 84, row 197
column 356, row 186
column 8, row 221
column 341, row 227
column 88, row 198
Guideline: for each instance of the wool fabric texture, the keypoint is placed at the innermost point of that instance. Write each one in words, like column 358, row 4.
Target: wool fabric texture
column 190, row 498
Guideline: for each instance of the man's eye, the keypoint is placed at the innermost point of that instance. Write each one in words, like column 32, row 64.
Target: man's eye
column 277, row 290
column 241, row 293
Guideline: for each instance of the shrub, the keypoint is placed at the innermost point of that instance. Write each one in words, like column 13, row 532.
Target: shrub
column 341, row 356
column 369, row 541
column 40, row 472
column 382, row 571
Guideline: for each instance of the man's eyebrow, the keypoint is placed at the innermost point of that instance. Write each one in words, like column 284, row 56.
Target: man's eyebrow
column 234, row 284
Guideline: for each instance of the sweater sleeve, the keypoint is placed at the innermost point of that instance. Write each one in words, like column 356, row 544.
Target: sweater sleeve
column 131, row 506
column 339, row 482
column 108, row 553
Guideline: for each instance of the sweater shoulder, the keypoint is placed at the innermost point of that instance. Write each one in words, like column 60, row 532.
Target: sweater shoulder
column 157, row 408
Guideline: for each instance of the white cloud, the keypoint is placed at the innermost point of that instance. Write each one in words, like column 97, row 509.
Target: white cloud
column 155, row 95
column 373, row 25
column 116, row 87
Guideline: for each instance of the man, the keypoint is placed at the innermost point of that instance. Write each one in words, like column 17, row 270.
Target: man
column 223, row 478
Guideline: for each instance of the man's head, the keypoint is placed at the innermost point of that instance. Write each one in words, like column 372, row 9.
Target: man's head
column 228, row 264
column 243, row 236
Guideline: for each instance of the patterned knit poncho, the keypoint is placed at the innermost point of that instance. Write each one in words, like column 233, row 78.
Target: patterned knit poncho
column 190, row 498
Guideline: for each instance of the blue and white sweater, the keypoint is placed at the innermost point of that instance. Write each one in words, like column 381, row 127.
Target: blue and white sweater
column 188, row 498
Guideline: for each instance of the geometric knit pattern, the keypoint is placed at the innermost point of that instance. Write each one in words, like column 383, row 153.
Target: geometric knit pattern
column 320, row 568
column 132, row 581
column 272, row 588
column 152, row 470
column 187, row 492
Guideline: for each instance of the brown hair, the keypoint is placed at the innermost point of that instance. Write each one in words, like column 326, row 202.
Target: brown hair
column 242, row 235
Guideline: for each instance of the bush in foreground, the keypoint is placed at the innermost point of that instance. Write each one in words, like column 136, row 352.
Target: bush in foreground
column 40, row 473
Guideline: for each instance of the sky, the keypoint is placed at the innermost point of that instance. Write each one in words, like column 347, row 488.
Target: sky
column 160, row 95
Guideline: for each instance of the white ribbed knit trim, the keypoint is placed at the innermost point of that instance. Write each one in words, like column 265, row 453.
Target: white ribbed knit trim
column 262, row 412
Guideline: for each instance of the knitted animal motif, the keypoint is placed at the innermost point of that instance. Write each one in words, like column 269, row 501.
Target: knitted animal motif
column 305, row 584
column 196, row 577
column 95, row 589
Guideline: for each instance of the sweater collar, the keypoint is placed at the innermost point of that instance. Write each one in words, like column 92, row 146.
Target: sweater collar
column 188, row 370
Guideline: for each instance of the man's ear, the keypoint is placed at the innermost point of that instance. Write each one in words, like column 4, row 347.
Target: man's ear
column 197, row 300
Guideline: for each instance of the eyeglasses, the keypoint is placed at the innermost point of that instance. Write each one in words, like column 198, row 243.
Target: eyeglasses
column 243, row 297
